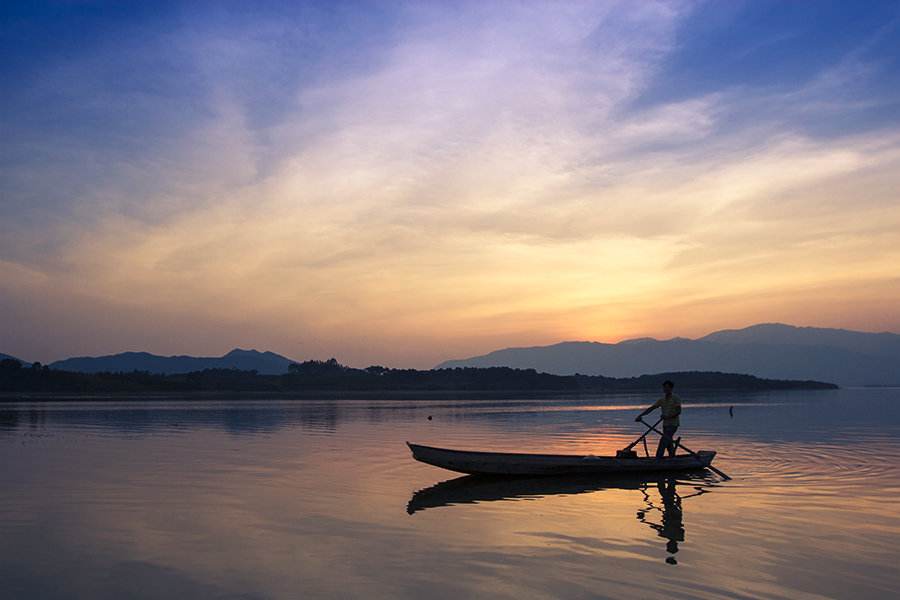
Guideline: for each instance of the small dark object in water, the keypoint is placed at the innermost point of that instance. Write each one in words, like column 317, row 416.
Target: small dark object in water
column 731, row 411
column 429, row 417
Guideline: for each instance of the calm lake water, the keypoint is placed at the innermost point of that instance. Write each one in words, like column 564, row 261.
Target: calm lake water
column 279, row 499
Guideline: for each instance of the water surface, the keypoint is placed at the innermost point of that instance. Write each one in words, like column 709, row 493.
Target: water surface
column 281, row 499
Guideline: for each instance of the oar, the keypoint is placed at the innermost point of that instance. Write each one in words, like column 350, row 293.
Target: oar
column 686, row 449
column 638, row 441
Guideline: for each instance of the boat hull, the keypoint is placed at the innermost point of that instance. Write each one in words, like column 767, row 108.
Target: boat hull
column 503, row 463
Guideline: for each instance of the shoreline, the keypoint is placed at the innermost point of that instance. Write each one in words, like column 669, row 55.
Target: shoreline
column 389, row 395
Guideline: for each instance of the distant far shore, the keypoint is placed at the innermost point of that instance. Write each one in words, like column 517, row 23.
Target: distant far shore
column 386, row 395
column 331, row 380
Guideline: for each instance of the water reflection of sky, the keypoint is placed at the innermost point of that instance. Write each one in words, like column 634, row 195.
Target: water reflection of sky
column 281, row 499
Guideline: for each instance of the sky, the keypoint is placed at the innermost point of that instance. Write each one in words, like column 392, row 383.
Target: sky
column 403, row 183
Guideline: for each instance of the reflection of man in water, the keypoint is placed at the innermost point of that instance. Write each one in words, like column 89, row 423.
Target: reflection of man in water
column 670, row 405
column 672, row 525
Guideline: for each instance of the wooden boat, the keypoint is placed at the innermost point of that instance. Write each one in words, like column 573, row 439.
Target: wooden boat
column 503, row 463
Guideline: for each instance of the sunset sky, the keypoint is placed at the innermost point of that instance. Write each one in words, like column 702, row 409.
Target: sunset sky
column 403, row 183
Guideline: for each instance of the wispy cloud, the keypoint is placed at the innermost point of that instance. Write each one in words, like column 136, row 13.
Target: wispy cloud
column 458, row 179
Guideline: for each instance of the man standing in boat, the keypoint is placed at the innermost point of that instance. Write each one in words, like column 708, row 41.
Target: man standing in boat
column 670, row 405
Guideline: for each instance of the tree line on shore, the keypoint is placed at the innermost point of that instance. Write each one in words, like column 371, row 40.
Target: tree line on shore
column 330, row 375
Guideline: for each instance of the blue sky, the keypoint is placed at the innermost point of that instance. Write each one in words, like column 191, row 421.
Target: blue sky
column 383, row 171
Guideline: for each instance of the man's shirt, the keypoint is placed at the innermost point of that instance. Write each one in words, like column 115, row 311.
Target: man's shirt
column 671, row 408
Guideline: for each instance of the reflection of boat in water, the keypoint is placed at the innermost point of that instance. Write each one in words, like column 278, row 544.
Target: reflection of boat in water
column 477, row 489
column 504, row 463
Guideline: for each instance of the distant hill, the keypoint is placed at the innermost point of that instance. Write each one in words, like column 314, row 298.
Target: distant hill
column 266, row 363
column 8, row 357
column 770, row 350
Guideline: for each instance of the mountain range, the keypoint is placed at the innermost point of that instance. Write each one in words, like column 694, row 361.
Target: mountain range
column 770, row 350
column 266, row 363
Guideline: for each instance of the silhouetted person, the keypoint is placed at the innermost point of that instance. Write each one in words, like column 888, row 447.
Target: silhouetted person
column 670, row 405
